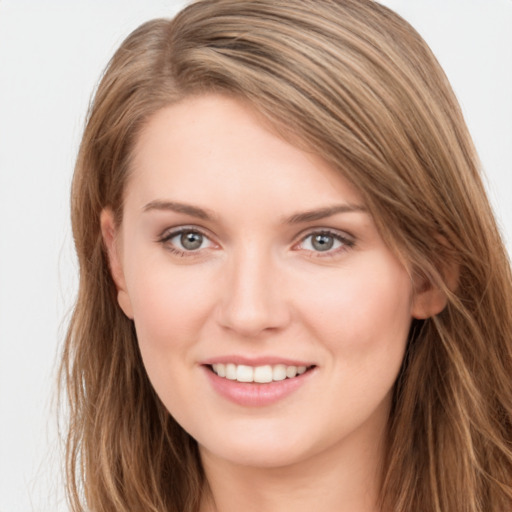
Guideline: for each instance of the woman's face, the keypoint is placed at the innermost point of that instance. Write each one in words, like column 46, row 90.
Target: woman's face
column 240, row 254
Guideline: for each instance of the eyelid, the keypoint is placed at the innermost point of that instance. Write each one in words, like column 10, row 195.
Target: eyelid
column 170, row 232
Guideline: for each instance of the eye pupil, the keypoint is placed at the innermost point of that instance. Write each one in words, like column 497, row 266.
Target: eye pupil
column 191, row 240
column 322, row 242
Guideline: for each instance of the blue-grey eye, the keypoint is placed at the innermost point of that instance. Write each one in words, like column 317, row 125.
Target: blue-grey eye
column 322, row 242
column 185, row 241
column 191, row 240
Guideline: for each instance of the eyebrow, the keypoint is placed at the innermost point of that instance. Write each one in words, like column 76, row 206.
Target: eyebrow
column 297, row 218
column 323, row 213
column 188, row 209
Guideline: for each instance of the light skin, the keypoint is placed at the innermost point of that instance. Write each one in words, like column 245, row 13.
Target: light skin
column 236, row 244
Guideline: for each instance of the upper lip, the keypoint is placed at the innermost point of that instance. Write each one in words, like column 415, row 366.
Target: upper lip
column 256, row 361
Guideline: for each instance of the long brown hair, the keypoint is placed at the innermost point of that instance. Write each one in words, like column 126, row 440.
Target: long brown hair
column 353, row 82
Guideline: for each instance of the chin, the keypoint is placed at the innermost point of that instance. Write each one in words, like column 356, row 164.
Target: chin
column 255, row 456
column 260, row 447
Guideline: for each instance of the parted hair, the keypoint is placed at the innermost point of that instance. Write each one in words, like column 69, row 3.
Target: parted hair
column 356, row 84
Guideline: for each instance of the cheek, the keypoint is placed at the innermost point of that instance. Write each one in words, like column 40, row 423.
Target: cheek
column 170, row 310
column 170, row 304
column 361, row 309
column 362, row 318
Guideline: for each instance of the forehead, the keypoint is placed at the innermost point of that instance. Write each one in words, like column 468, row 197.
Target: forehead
column 212, row 145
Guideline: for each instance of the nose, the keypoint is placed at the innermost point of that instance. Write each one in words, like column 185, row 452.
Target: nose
column 253, row 295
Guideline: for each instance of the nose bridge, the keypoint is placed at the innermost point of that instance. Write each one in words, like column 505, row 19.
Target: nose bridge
column 253, row 298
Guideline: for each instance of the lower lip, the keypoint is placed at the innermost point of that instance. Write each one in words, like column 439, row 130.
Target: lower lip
column 252, row 394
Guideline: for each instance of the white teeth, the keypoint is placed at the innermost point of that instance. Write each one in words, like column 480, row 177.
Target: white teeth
column 231, row 371
column 244, row 373
column 220, row 370
column 279, row 372
column 291, row 371
column 260, row 374
column 263, row 374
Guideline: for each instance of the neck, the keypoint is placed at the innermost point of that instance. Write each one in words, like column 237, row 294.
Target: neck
column 344, row 478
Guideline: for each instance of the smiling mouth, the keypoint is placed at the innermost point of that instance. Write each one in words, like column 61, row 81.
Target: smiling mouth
column 259, row 374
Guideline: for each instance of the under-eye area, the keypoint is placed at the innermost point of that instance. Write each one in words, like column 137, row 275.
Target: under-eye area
column 259, row 374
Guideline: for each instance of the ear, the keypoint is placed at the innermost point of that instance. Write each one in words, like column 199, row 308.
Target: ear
column 429, row 298
column 111, row 241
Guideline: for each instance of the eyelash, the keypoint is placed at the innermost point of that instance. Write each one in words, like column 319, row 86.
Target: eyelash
column 346, row 242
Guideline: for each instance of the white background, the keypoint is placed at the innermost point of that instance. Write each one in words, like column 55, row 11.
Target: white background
column 51, row 56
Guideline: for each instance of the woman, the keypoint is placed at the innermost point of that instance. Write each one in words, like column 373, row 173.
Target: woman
column 292, row 290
